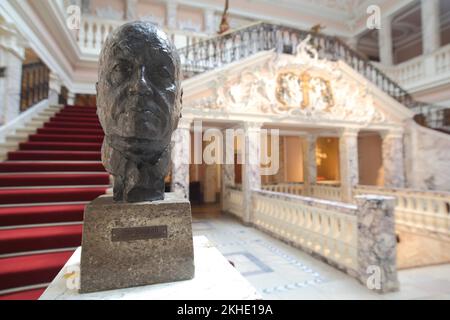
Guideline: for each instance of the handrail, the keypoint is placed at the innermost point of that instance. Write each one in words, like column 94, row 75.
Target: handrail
column 237, row 44
column 35, row 84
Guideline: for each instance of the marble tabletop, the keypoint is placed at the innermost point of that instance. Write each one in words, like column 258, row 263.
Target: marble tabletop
column 215, row 278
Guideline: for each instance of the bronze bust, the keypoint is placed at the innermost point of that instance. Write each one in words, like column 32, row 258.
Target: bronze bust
column 139, row 105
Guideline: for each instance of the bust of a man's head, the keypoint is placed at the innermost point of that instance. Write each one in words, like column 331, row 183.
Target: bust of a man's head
column 139, row 105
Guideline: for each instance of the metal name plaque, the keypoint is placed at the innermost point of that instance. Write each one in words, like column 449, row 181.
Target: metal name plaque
column 138, row 233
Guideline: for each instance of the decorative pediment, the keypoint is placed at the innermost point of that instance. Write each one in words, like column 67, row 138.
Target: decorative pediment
column 302, row 86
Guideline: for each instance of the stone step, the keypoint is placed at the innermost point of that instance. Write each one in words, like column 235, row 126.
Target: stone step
column 17, row 138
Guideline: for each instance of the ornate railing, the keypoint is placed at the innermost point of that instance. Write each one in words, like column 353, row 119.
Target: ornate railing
column 320, row 227
column 94, row 31
column 426, row 212
column 329, row 192
column 338, row 233
column 433, row 116
column 218, row 51
column 291, row 188
column 35, row 82
column 234, row 200
column 420, row 70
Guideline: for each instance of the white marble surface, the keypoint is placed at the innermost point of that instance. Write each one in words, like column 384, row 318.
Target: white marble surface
column 215, row 278
column 427, row 158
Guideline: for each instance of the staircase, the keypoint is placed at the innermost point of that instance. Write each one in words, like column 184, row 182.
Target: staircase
column 45, row 184
column 238, row 44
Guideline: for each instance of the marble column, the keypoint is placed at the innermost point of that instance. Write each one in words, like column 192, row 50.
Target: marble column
column 309, row 161
column 280, row 176
column 131, row 10
column 208, row 21
column 430, row 26
column 181, row 149
column 12, row 54
column 171, row 14
column 251, row 170
column 393, row 160
column 377, row 243
column 385, row 41
column 54, row 89
column 71, row 98
column 228, row 176
column 348, row 160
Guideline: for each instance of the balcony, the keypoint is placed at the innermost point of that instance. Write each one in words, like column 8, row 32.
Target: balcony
column 94, row 31
column 422, row 72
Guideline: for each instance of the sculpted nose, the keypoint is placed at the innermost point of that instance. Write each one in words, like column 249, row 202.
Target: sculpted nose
column 140, row 85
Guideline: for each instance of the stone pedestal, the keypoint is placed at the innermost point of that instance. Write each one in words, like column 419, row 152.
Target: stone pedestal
column 215, row 278
column 133, row 244
column 377, row 245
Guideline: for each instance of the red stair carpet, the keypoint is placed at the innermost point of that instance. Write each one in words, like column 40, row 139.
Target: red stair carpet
column 44, row 187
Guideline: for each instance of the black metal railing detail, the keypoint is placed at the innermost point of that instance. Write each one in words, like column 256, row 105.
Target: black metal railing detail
column 215, row 52
column 35, row 84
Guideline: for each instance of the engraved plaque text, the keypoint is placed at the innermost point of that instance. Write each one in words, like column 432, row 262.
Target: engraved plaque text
column 138, row 233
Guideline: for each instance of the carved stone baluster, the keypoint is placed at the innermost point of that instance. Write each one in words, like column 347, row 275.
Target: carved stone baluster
column 90, row 36
column 82, row 35
column 98, row 37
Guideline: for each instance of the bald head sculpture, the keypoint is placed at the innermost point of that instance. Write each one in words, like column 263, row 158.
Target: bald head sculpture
column 139, row 105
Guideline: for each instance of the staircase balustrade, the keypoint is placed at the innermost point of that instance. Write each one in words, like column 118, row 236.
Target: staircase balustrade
column 218, row 51
column 35, row 84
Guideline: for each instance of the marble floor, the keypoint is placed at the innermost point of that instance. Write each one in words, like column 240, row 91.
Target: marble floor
column 279, row 271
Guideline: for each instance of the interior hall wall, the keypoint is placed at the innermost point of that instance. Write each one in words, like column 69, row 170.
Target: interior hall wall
column 116, row 5
column 146, row 8
column 190, row 15
column 370, row 160
column 294, row 159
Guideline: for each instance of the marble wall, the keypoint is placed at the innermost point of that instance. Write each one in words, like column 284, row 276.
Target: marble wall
column 11, row 56
column 427, row 154
column 54, row 89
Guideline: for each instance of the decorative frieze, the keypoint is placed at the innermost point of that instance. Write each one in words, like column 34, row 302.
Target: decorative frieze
column 301, row 86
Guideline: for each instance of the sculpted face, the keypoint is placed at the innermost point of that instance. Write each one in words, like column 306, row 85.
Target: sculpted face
column 138, row 93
